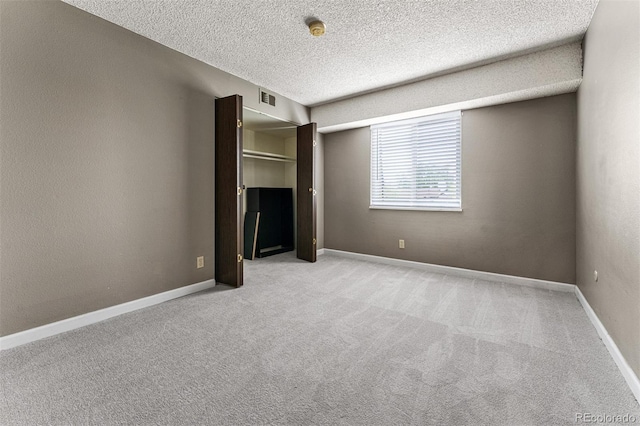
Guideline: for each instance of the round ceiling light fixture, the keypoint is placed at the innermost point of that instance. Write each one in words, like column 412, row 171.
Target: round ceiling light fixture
column 317, row 28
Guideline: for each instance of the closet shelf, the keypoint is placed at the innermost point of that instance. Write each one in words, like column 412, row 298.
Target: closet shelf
column 248, row 153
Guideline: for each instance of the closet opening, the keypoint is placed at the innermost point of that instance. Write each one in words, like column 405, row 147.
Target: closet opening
column 256, row 153
column 269, row 184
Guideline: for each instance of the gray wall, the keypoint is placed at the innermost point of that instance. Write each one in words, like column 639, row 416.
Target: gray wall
column 518, row 189
column 106, row 166
column 608, row 173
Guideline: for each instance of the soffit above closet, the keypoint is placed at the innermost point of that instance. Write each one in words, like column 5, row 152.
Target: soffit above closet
column 368, row 45
column 263, row 123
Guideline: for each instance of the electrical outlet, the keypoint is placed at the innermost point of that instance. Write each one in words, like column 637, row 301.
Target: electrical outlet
column 401, row 244
column 200, row 262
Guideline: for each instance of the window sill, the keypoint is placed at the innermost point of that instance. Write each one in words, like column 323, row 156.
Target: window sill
column 426, row 209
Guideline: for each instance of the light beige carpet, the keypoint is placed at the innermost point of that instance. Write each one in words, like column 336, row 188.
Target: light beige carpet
column 337, row 342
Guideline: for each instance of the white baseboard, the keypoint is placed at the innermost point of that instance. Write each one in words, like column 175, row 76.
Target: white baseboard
column 320, row 252
column 459, row 272
column 626, row 370
column 48, row 330
column 624, row 367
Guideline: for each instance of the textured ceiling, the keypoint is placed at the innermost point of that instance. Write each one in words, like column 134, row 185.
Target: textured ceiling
column 369, row 44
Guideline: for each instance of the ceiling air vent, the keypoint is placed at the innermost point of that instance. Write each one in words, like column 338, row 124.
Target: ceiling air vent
column 267, row 98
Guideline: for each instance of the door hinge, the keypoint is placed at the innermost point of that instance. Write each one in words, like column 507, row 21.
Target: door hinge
column 239, row 123
column 239, row 190
column 314, row 241
column 239, row 258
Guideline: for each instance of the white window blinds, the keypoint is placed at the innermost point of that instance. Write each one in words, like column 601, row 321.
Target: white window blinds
column 416, row 163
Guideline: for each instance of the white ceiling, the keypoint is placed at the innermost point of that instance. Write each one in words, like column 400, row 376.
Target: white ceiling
column 263, row 123
column 369, row 44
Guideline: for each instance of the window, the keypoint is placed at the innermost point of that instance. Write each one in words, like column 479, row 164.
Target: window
column 416, row 163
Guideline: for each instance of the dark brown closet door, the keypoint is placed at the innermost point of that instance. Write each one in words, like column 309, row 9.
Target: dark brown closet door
column 228, row 188
column 306, row 193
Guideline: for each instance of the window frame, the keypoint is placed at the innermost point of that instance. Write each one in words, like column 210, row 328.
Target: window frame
column 406, row 205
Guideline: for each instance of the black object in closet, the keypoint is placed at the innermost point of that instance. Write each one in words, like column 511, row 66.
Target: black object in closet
column 275, row 229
